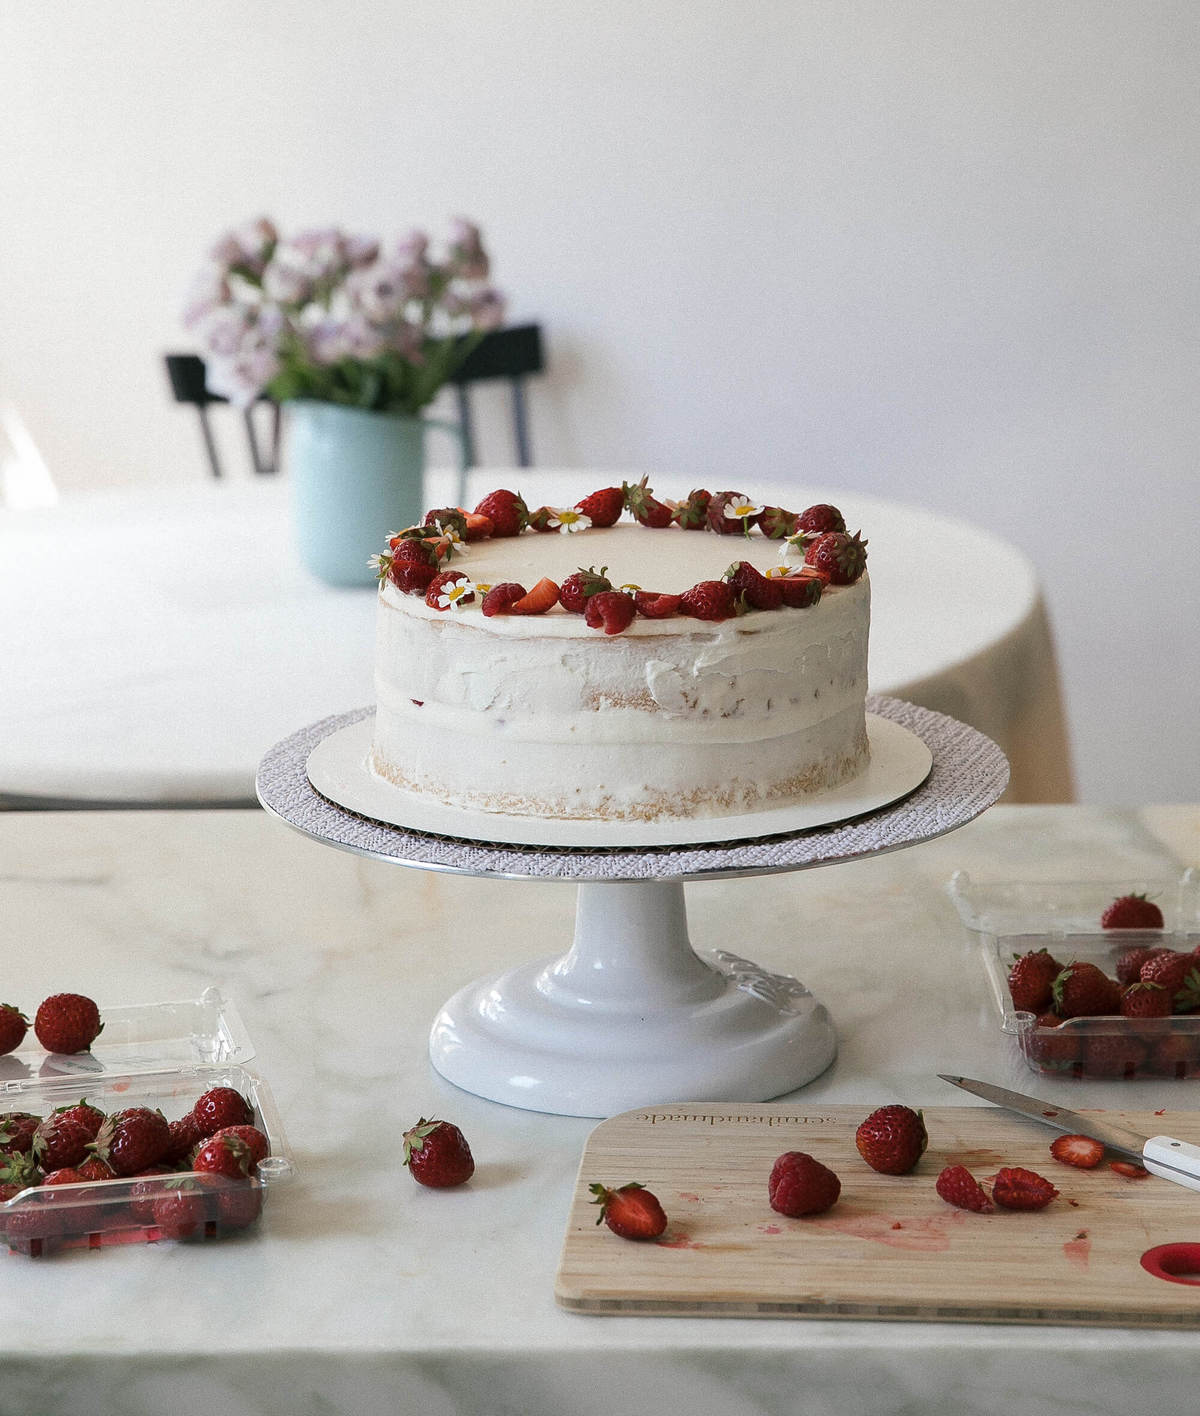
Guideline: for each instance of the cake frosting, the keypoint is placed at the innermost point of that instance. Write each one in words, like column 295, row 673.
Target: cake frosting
column 543, row 715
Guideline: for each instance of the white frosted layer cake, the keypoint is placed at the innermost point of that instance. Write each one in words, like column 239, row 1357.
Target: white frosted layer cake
column 542, row 715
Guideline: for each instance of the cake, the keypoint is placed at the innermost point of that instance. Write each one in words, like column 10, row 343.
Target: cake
column 624, row 659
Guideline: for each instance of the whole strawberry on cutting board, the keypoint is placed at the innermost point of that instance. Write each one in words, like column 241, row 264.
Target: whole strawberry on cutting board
column 890, row 1247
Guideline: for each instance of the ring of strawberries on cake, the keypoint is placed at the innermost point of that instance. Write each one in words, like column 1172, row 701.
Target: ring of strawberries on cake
column 632, row 676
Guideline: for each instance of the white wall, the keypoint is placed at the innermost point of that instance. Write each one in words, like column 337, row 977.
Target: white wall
column 943, row 252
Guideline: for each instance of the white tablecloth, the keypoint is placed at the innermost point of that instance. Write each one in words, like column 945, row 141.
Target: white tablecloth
column 156, row 642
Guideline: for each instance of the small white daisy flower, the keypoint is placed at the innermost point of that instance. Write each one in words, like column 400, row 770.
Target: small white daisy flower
column 777, row 572
column 736, row 510
column 452, row 596
column 566, row 521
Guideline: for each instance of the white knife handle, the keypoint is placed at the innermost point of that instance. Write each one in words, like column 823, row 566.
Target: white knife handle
column 1173, row 1160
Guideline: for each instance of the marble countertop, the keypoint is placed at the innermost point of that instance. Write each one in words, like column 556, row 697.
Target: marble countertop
column 363, row 1293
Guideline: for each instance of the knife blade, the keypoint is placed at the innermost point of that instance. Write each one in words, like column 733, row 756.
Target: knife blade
column 1166, row 1156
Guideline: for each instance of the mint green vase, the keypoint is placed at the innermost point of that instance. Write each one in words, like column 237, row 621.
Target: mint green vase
column 355, row 476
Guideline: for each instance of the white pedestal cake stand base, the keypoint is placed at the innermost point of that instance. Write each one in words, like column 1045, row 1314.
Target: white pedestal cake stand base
column 631, row 1015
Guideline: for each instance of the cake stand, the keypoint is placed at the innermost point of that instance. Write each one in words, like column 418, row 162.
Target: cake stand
column 630, row 1014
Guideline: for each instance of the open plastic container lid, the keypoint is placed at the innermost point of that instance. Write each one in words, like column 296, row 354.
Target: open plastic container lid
column 146, row 1037
column 1058, row 907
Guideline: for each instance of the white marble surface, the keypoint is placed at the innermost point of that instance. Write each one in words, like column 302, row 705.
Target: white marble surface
column 195, row 640
column 365, row 1294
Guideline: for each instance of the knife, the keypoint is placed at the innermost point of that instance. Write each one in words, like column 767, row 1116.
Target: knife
column 1162, row 1155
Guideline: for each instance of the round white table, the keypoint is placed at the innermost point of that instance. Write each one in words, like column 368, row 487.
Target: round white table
column 157, row 641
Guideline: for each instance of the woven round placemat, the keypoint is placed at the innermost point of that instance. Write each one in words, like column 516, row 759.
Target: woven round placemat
column 969, row 773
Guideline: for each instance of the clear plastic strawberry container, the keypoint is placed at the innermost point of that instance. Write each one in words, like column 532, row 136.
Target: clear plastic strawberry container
column 1010, row 918
column 160, row 1056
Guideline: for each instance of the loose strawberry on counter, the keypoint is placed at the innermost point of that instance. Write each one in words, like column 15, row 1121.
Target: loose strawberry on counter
column 437, row 1154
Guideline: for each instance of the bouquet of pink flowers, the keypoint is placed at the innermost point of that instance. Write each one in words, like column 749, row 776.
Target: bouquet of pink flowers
column 336, row 318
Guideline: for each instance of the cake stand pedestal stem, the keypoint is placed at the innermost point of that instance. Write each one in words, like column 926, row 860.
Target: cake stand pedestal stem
column 631, row 949
column 631, row 1015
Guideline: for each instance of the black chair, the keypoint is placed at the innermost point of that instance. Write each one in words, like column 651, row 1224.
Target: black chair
column 512, row 354
column 188, row 385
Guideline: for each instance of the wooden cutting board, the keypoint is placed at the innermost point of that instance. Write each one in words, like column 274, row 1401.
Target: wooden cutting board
column 891, row 1247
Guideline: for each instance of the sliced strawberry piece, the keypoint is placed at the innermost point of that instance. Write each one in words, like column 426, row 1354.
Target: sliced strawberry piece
column 652, row 605
column 540, row 519
column 957, row 1186
column 479, row 527
column 757, row 591
column 542, row 597
column 630, row 1211
column 1015, row 1188
column 1083, row 1152
column 802, row 589
column 1128, row 1169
